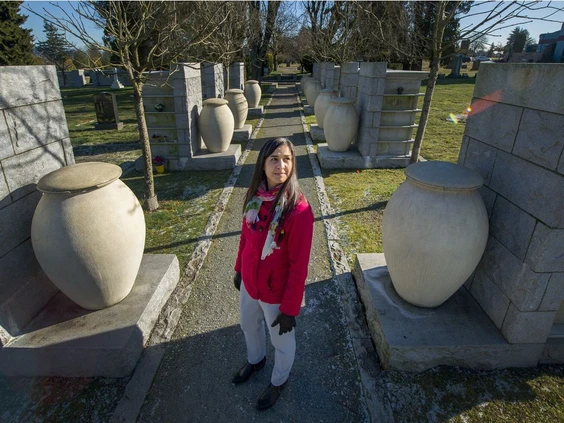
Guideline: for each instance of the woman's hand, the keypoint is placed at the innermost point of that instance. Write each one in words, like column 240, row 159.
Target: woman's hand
column 287, row 323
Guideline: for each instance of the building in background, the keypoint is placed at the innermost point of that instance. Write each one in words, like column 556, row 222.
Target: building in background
column 551, row 45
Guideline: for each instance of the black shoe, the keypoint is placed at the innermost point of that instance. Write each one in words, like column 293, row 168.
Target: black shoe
column 247, row 370
column 270, row 396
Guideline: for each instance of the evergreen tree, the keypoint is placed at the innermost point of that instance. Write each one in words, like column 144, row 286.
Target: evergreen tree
column 55, row 49
column 16, row 43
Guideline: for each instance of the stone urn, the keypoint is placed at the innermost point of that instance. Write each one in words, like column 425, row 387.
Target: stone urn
column 88, row 233
column 340, row 123
column 252, row 93
column 216, row 124
column 303, row 82
column 238, row 105
column 322, row 104
column 435, row 230
column 313, row 88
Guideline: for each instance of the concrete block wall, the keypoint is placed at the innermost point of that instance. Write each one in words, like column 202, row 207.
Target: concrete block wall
column 349, row 80
column 34, row 141
column 327, row 74
column 74, row 78
column 371, row 85
column 212, row 80
column 514, row 138
column 237, row 75
column 316, row 70
column 105, row 78
column 184, row 84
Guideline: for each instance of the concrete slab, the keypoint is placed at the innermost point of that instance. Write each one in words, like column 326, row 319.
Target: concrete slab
column 67, row 340
column 316, row 133
column 308, row 110
column 205, row 160
column 255, row 111
column 242, row 134
column 352, row 159
column 410, row 338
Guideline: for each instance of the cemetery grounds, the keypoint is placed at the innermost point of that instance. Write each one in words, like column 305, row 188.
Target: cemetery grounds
column 358, row 198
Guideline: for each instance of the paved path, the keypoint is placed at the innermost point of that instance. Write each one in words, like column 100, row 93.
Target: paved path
column 193, row 382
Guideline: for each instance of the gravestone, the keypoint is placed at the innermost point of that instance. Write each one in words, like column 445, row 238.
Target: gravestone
column 106, row 111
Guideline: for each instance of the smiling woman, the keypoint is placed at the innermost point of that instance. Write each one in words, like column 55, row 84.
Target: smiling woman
column 272, row 264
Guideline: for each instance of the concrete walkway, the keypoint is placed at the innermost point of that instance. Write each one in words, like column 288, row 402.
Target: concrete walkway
column 329, row 382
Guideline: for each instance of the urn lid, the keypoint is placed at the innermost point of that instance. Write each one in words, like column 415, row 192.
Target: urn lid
column 234, row 91
column 444, row 175
column 342, row 100
column 79, row 178
column 214, row 102
column 251, row 81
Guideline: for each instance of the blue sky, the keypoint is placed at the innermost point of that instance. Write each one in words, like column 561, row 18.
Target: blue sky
column 535, row 28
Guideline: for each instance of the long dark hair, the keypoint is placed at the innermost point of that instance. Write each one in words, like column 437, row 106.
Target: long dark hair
column 290, row 191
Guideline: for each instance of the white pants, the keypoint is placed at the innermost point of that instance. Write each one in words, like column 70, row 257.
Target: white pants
column 253, row 313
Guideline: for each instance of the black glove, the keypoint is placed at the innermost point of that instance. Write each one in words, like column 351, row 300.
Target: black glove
column 237, row 281
column 286, row 323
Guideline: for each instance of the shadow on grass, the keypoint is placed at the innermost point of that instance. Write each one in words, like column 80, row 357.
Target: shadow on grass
column 94, row 150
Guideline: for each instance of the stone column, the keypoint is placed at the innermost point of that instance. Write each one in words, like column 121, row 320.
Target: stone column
column 514, row 137
column 237, row 75
column 315, row 72
column 349, row 80
column 371, row 85
column 336, row 78
column 212, row 80
column 187, row 90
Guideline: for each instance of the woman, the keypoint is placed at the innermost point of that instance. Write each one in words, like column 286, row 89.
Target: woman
column 272, row 264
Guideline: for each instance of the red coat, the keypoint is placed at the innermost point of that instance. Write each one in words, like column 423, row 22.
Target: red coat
column 280, row 277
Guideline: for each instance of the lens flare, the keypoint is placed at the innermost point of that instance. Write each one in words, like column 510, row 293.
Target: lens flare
column 452, row 118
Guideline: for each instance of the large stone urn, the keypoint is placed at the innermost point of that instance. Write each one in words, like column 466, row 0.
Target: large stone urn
column 322, row 104
column 216, row 124
column 303, row 82
column 340, row 123
column 313, row 88
column 252, row 93
column 435, row 230
column 238, row 105
column 88, row 233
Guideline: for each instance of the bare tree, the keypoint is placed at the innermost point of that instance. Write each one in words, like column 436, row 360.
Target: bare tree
column 285, row 26
column 227, row 42
column 139, row 35
column 262, row 16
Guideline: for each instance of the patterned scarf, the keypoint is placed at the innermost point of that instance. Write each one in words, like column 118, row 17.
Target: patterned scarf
column 251, row 216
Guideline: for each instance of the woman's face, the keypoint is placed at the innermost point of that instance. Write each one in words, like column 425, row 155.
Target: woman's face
column 278, row 166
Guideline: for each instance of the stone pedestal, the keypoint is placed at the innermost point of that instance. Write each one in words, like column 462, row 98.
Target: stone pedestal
column 242, row 134
column 352, row 159
column 409, row 338
column 316, row 133
column 69, row 341
column 255, row 111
